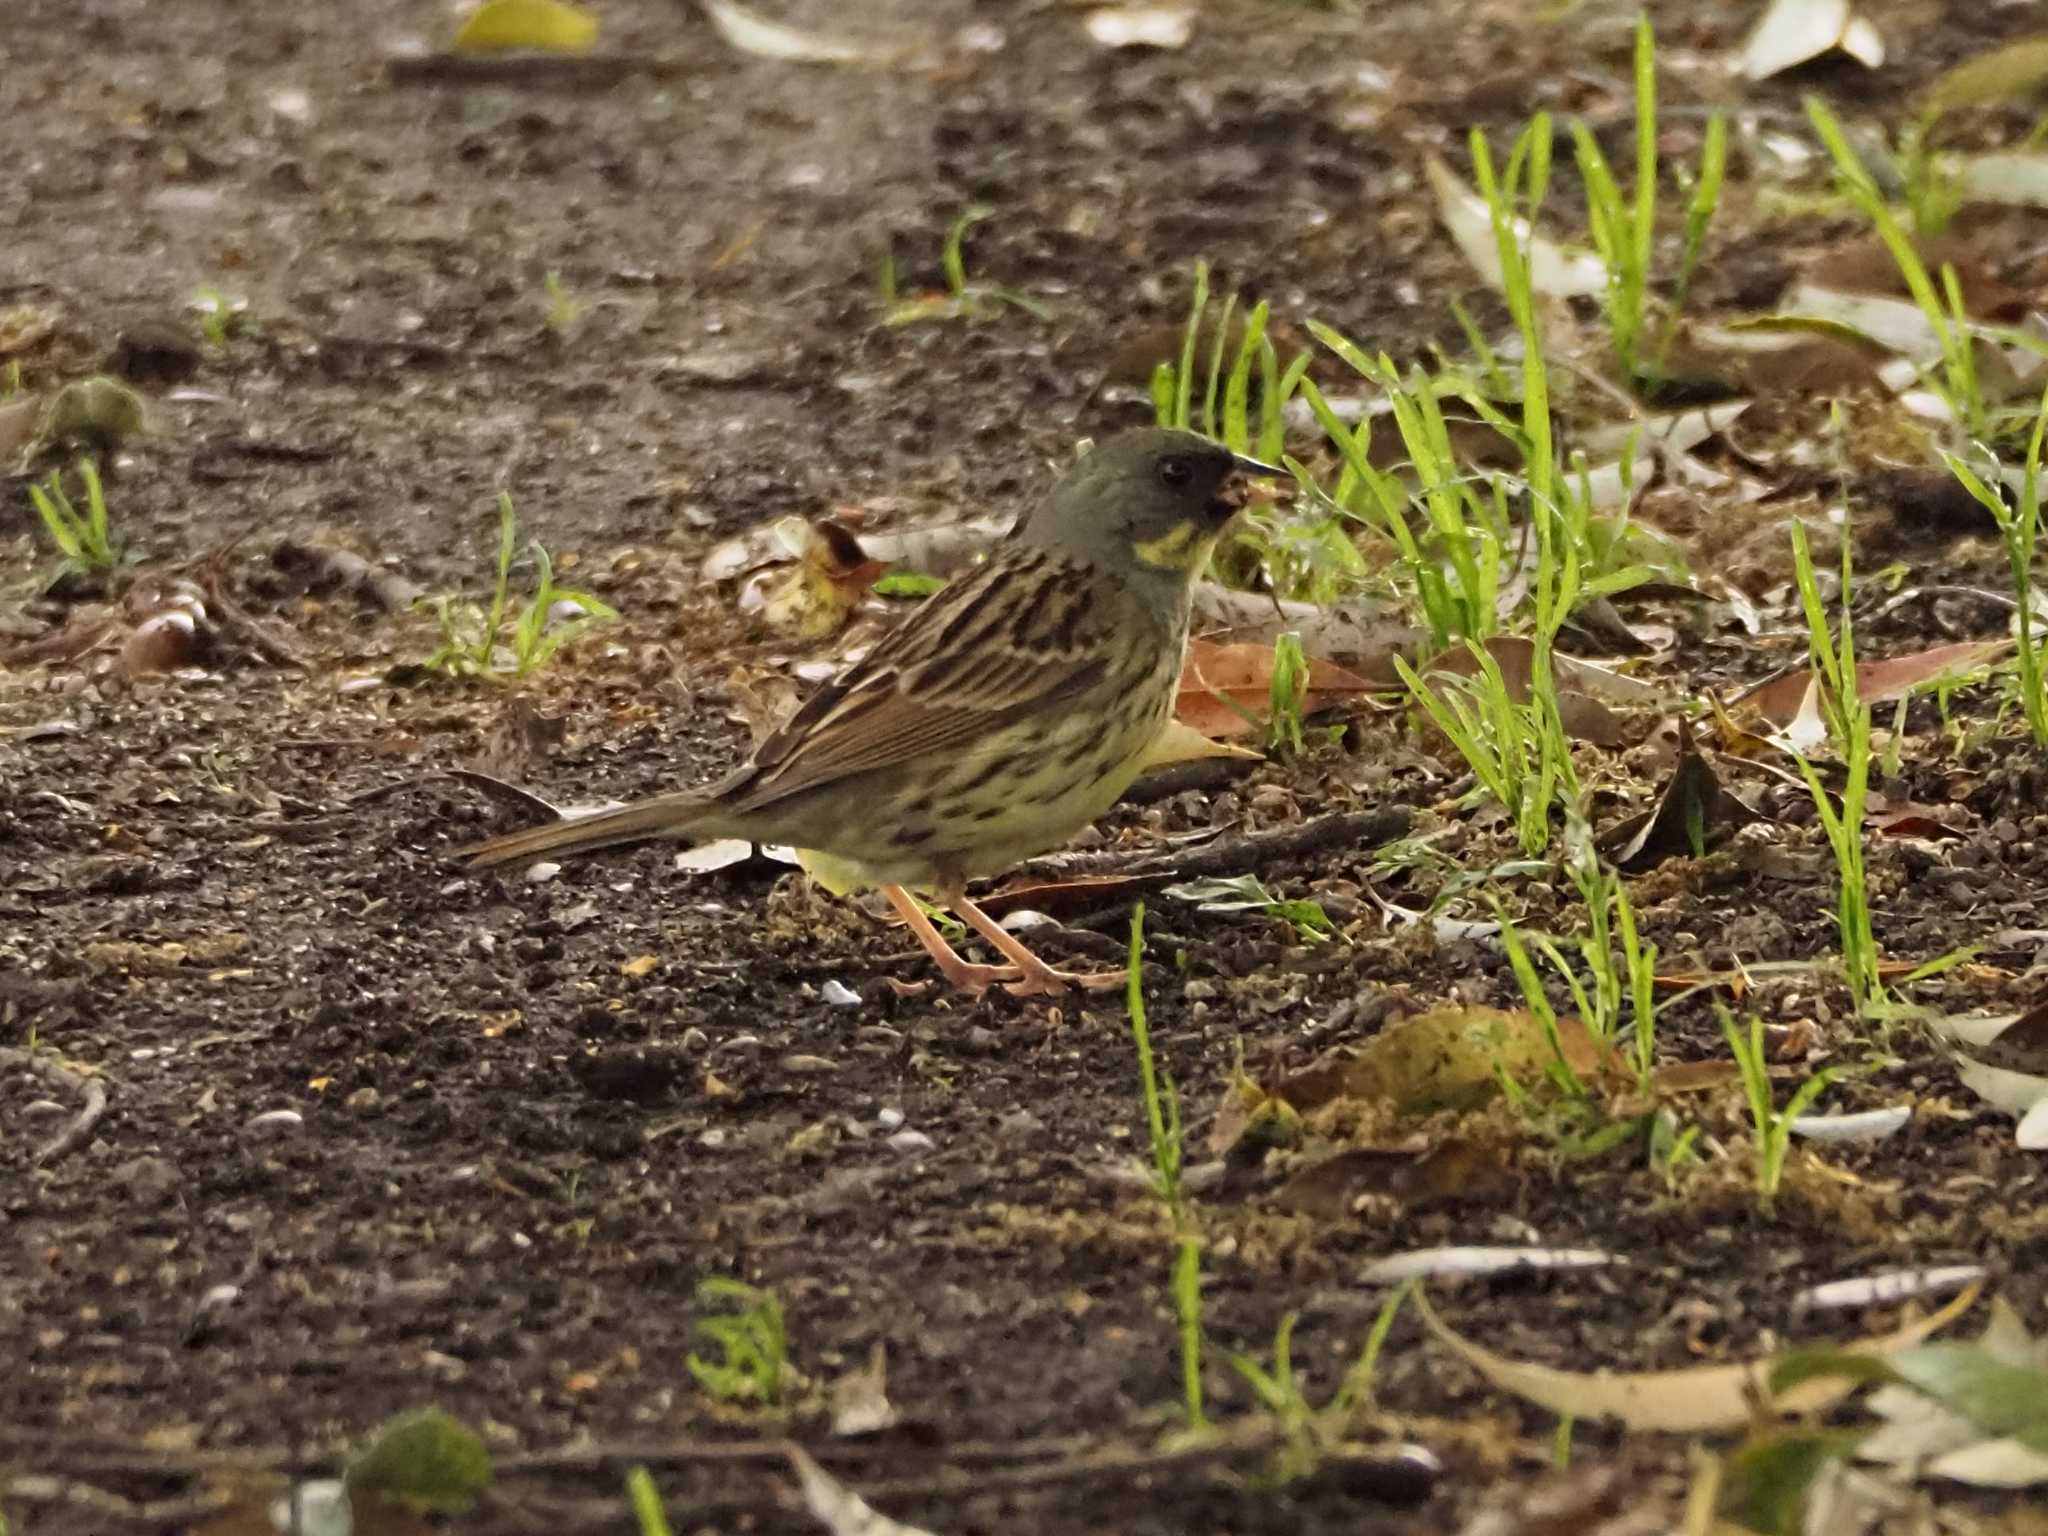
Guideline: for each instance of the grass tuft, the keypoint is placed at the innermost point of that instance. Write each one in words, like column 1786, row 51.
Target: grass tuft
column 752, row 1363
column 85, row 543
column 471, row 642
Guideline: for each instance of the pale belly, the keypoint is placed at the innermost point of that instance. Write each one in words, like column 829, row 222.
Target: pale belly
column 1005, row 799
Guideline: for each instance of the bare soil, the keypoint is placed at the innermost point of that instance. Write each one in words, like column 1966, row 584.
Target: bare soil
column 529, row 1118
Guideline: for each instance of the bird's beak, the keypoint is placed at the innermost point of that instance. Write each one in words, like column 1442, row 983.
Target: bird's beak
column 1250, row 480
column 1253, row 480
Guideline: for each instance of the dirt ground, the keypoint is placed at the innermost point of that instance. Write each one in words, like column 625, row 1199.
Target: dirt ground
column 528, row 1119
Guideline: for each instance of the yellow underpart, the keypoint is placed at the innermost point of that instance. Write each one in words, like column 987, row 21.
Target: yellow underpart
column 839, row 876
column 1184, row 549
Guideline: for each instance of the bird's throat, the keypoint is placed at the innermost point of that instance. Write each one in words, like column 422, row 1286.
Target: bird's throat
column 1185, row 549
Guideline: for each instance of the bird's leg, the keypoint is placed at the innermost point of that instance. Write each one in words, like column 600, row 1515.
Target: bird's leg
column 961, row 973
column 1038, row 978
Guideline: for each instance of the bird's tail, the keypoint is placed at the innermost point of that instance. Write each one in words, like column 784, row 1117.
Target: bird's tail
column 679, row 815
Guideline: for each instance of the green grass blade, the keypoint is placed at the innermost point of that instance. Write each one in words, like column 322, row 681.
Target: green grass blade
column 1184, row 380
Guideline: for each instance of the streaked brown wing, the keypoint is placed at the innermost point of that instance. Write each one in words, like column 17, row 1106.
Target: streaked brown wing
column 1023, row 634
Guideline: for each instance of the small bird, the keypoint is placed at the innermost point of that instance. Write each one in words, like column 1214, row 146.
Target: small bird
column 1007, row 712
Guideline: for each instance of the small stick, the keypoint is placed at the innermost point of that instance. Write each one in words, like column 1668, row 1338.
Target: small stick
column 91, row 1089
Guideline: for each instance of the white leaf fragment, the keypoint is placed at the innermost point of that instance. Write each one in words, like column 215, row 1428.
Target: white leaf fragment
column 1423, row 1263
column 1870, row 1125
column 766, row 39
column 839, row 1508
column 1555, row 271
column 1142, row 26
column 1892, row 1286
column 1794, row 32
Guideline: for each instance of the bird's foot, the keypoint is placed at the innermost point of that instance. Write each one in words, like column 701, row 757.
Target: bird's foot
column 963, row 976
column 1035, row 978
column 1046, row 981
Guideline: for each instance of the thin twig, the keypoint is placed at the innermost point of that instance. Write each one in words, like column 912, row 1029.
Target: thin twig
column 526, row 799
column 1228, row 855
column 533, row 71
column 92, row 1089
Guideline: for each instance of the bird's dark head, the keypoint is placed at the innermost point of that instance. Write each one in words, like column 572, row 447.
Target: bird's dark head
column 1147, row 502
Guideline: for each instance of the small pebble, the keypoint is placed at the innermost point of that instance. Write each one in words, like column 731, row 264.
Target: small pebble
column 542, row 873
column 694, row 1040
column 277, row 1120
column 839, row 995
column 147, row 1178
column 911, row 1142
column 889, row 1118
column 322, row 1509
column 813, row 1064
column 1019, row 1123
column 218, row 1298
column 713, row 1138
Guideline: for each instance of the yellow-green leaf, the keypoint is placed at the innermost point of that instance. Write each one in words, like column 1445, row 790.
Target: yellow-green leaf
column 426, row 1459
column 1999, row 75
column 549, row 25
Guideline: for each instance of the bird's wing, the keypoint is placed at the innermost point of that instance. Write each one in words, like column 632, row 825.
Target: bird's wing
column 1024, row 633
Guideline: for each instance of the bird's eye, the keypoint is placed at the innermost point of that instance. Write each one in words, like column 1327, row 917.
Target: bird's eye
column 1175, row 472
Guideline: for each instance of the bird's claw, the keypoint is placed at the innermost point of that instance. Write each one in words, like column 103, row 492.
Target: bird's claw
column 1048, row 982
column 977, row 979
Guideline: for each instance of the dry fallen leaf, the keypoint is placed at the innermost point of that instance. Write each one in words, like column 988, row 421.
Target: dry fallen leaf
column 1426, row 1263
column 1456, row 1169
column 2016, row 69
column 1794, row 32
column 1448, row 1058
column 838, row 1507
column 1922, row 1433
column 1584, row 690
column 1555, row 271
column 818, row 594
column 1226, row 690
column 860, row 1398
column 1780, row 701
column 1692, row 807
column 766, row 39
column 1141, row 26
column 1695, row 1400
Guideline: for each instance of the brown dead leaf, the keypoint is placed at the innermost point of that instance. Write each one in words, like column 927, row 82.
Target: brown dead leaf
column 1453, row 1170
column 816, row 595
column 324, row 565
column 18, row 422
column 1226, row 690
column 1447, row 1058
column 1866, row 266
column 1907, row 818
column 1133, row 362
column 1584, row 691
column 1066, row 898
column 1779, row 700
column 86, row 627
column 2022, row 1046
column 1693, row 809
column 1762, row 362
column 22, row 327
column 1695, row 1076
